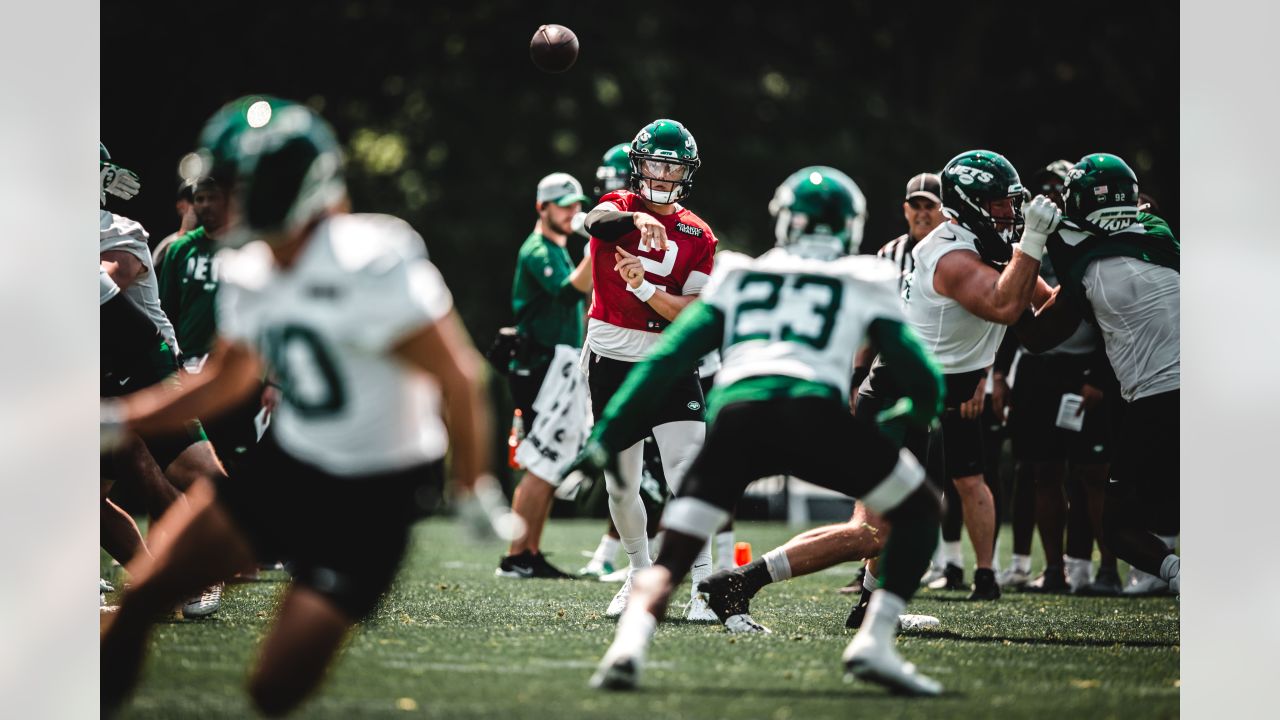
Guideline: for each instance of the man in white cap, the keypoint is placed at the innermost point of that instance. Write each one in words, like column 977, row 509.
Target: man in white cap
column 547, row 297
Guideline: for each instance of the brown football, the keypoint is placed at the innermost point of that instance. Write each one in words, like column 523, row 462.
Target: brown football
column 554, row 48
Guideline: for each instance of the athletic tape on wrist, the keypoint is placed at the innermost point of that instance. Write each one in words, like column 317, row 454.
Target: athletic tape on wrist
column 644, row 292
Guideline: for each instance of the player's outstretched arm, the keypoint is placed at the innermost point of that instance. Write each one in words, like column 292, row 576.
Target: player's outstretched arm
column 1045, row 329
column 914, row 369
column 697, row 331
column 444, row 350
column 231, row 375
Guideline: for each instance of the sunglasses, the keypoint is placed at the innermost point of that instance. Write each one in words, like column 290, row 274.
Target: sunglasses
column 919, row 203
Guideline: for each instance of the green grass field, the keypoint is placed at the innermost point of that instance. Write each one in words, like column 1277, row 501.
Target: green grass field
column 451, row 640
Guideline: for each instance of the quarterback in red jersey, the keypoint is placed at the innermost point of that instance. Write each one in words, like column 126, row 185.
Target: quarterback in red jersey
column 662, row 257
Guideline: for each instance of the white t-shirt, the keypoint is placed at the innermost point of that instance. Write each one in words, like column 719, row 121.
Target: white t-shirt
column 1137, row 305
column 960, row 340
column 117, row 232
column 798, row 317
column 327, row 327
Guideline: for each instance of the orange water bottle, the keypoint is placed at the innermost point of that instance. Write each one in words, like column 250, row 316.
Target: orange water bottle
column 514, row 439
column 741, row 553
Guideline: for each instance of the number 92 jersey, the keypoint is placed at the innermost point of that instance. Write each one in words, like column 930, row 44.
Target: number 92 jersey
column 326, row 327
column 799, row 317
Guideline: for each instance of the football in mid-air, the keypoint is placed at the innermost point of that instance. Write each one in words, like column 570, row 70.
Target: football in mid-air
column 554, row 48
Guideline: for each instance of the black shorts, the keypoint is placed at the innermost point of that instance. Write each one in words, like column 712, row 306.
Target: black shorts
column 1038, row 388
column 524, row 390
column 1145, row 471
column 955, row 448
column 684, row 400
column 234, row 433
column 812, row 438
column 344, row 536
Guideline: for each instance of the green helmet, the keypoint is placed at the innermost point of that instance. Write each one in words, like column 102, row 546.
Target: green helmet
column 614, row 172
column 820, row 213
column 971, row 182
column 1101, row 193
column 664, row 151
column 103, row 155
column 284, row 158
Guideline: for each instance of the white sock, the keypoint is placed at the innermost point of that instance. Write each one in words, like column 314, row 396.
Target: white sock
column 779, row 567
column 607, row 550
column 882, row 615
column 939, row 553
column 724, row 550
column 995, row 556
column 1021, row 563
column 952, row 554
column 869, row 581
column 637, row 553
column 1169, row 567
column 635, row 630
column 701, row 568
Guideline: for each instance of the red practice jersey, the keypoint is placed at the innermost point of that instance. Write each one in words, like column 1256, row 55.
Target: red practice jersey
column 682, row 269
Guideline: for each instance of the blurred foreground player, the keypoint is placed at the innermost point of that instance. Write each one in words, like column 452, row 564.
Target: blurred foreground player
column 789, row 324
column 360, row 328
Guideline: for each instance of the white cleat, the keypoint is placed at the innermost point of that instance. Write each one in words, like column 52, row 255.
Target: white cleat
column 934, row 573
column 619, row 601
column 204, row 604
column 1012, row 579
column 699, row 611
column 616, row 576
column 617, row 671
column 918, row 622
column 879, row 662
column 105, row 587
column 1141, row 583
column 745, row 624
column 1079, row 571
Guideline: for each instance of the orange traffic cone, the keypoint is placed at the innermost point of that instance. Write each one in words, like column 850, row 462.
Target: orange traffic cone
column 741, row 553
column 513, row 440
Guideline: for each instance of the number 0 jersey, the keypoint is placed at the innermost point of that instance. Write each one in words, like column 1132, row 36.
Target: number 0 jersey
column 327, row 326
column 620, row 326
column 798, row 317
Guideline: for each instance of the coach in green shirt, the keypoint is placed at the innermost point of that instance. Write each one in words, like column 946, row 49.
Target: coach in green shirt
column 547, row 297
column 188, row 280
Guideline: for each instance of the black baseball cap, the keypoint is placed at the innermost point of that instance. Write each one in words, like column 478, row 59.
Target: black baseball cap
column 925, row 185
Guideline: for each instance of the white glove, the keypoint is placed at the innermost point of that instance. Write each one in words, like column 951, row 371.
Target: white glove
column 111, row 427
column 1040, row 218
column 119, row 182
column 578, row 224
column 485, row 515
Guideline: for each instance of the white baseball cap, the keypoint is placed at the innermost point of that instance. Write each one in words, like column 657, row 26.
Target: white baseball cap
column 561, row 189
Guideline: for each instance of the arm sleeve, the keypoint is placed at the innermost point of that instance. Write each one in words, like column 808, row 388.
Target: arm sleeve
column 606, row 222
column 695, row 332
column 1005, row 353
column 913, row 369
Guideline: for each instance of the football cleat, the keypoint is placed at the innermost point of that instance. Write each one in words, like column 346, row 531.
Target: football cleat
column 204, row 604
column 917, row 622
column 985, row 586
column 1141, row 583
column 745, row 624
column 877, row 661
column 105, row 587
column 932, row 575
column 1053, row 581
column 1013, row 579
column 529, row 565
column 617, row 672
column 617, row 576
column 952, row 579
column 619, row 601
column 596, row 570
column 1105, row 583
column 726, row 592
column 699, row 611
column 1078, row 572
column 859, row 611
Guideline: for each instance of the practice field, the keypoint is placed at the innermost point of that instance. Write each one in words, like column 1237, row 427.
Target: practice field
column 452, row 640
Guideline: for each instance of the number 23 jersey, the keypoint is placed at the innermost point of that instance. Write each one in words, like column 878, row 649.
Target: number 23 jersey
column 327, row 327
column 798, row 317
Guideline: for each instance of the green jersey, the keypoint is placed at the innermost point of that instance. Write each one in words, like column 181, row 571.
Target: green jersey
column 188, row 286
column 548, row 308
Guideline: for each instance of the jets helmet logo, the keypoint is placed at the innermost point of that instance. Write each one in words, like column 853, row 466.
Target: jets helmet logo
column 966, row 175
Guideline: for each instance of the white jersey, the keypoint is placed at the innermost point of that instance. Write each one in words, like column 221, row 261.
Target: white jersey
column 327, row 326
column 798, row 317
column 116, row 232
column 960, row 340
column 107, row 287
column 1137, row 307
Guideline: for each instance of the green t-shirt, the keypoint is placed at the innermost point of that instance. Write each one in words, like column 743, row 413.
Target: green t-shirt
column 188, row 285
column 555, row 306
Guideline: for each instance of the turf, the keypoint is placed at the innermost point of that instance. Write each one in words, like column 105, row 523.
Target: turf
column 451, row 640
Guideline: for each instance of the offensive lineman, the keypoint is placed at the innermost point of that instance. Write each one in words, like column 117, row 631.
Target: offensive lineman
column 789, row 324
column 664, row 251
column 360, row 329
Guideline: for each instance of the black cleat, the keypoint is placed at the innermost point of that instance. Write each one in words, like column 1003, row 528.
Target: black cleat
column 952, row 579
column 985, row 586
column 859, row 611
column 1053, row 581
column 1105, row 583
column 727, row 593
column 529, row 565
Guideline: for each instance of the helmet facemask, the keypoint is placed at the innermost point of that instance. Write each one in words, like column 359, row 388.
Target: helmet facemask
column 661, row 180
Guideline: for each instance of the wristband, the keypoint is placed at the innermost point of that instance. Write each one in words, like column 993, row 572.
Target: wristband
column 644, row 292
column 1032, row 244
